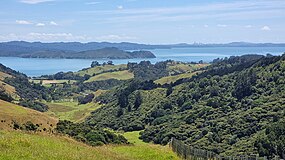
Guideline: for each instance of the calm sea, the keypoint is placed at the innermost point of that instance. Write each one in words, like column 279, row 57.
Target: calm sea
column 36, row 67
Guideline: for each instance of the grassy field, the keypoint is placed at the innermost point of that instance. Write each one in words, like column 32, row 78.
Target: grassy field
column 119, row 75
column 13, row 113
column 183, row 68
column 23, row 146
column 101, row 69
column 142, row 150
column 19, row 146
column 8, row 88
column 48, row 83
column 4, row 75
column 169, row 79
column 71, row 110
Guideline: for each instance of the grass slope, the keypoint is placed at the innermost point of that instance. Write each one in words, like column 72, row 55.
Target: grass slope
column 18, row 145
column 8, row 88
column 101, row 69
column 142, row 150
column 10, row 113
column 119, row 75
column 48, row 83
column 71, row 110
column 182, row 68
column 172, row 79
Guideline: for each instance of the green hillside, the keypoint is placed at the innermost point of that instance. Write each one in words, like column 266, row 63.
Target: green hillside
column 100, row 69
column 119, row 75
column 18, row 145
column 172, row 79
column 224, row 109
column 11, row 115
column 71, row 111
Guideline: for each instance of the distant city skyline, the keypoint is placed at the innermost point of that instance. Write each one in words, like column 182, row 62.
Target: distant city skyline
column 143, row 21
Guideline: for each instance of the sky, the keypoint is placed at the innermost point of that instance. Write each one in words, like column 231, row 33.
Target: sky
column 143, row 21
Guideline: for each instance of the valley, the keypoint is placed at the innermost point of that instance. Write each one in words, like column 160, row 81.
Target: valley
column 132, row 111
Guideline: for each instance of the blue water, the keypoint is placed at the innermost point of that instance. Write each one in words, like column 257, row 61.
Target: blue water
column 36, row 67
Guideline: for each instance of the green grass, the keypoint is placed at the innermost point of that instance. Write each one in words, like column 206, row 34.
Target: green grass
column 169, row 79
column 10, row 113
column 48, row 83
column 183, row 68
column 119, row 75
column 21, row 146
column 142, row 150
column 71, row 110
column 101, row 69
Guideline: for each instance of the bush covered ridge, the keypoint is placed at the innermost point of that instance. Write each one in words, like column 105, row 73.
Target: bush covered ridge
column 89, row 135
column 224, row 109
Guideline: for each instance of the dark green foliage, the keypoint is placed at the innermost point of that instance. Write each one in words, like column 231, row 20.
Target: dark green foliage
column 138, row 100
column 147, row 71
column 88, row 134
column 95, row 64
column 222, row 110
column 33, row 105
column 86, row 99
column 169, row 90
column 5, row 96
column 29, row 126
column 273, row 141
column 25, row 89
column 65, row 76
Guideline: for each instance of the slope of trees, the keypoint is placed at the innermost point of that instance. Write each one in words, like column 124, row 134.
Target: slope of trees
column 89, row 135
column 224, row 109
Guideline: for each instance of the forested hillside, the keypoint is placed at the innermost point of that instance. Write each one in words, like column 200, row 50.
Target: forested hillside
column 234, row 106
column 228, row 108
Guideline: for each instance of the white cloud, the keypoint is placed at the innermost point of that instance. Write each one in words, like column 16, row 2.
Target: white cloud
column 56, row 36
column 35, row 1
column 222, row 25
column 53, row 23
column 266, row 28
column 40, row 24
column 206, row 26
column 45, row 37
column 23, row 22
column 113, row 37
column 120, row 7
column 93, row 3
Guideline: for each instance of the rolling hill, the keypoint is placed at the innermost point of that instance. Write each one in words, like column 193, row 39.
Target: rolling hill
column 227, row 109
column 34, row 50
column 11, row 115
column 19, row 145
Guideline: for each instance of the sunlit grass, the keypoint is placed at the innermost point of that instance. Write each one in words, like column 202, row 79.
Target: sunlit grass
column 119, row 75
column 71, row 111
column 21, row 146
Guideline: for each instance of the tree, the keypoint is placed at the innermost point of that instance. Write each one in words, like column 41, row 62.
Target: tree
column 110, row 63
column 95, row 63
column 120, row 112
column 123, row 100
column 273, row 141
column 138, row 100
column 5, row 96
column 169, row 90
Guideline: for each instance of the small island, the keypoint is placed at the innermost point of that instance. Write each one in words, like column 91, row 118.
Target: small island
column 53, row 52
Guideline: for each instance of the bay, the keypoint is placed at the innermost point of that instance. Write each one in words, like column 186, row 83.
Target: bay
column 36, row 67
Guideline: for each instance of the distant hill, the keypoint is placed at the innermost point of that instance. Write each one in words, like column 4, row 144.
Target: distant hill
column 101, row 49
column 37, row 51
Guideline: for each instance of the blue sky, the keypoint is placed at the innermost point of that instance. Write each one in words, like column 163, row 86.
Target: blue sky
column 143, row 21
